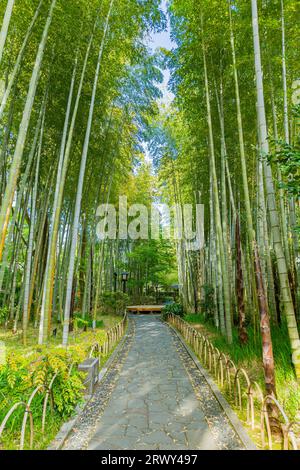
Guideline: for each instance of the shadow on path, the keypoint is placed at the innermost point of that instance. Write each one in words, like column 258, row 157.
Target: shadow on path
column 153, row 405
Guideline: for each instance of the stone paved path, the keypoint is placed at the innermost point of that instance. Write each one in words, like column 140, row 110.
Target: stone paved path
column 153, row 405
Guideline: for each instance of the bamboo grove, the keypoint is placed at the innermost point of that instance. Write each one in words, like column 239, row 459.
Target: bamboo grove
column 79, row 103
column 231, row 142
column 77, row 90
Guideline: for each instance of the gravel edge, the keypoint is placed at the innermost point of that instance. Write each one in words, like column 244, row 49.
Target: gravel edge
column 234, row 421
column 69, row 430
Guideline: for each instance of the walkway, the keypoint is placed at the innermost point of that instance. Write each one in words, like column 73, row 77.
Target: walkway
column 154, row 404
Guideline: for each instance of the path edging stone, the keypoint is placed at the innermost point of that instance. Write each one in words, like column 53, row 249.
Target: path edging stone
column 66, row 429
column 232, row 417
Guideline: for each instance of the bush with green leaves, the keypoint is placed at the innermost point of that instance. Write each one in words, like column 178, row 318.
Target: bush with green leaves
column 85, row 323
column 4, row 313
column 175, row 309
column 208, row 302
column 114, row 303
column 20, row 376
column 22, row 373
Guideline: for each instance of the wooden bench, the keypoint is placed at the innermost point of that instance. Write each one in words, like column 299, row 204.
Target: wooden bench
column 145, row 308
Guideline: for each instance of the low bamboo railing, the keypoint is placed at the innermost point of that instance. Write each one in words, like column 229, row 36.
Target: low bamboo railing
column 113, row 336
column 246, row 394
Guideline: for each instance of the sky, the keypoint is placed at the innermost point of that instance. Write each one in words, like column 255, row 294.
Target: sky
column 163, row 40
column 156, row 41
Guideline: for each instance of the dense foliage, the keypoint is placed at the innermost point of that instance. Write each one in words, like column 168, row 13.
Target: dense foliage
column 230, row 141
column 21, row 375
column 81, row 123
column 71, row 137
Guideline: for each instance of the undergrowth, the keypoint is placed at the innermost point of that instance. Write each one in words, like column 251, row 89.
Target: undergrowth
column 249, row 357
column 26, row 368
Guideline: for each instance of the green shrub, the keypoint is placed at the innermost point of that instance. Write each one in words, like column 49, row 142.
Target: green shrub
column 22, row 373
column 114, row 303
column 4, row 313
column 176, row 309
column 80, row 322
column 208, row 302
column 249, row 357
column 20, row 376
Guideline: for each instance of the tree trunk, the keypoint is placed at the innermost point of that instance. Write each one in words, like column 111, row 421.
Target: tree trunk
column 284, row 80
column 267, row 348
column 80, row 186
column 5, row 25
column 18, row 61
column 27, row 275
column 243, row 335
column 19, row 149
column 220, row 238
column 273, row 215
